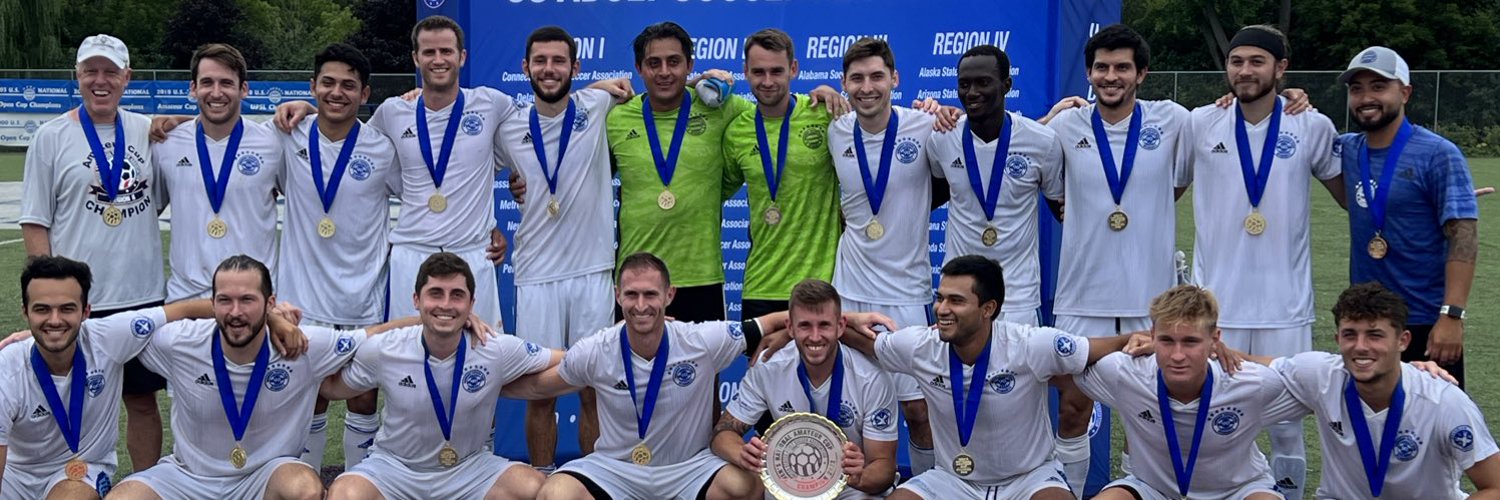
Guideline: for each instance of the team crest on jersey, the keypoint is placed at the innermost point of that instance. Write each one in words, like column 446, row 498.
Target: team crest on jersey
column 532, row 349
column 1150, row 137
column 1016, row 165
column 432, row 4
column 142, row 326
column 1407, row 445
column 1064, row 345
column 1462, row 438
column 881, row 419
column 683, row 373
column 581, row 121
column 1286, row 145
column 344, row 344
column 1226, row 420
column 736, row 331
column 814, row 136
column 1003, row 382
column 248, row 162
column 278, row 376
column 1359, row 192
column 1338, row 148
column 848, row 415
column 697, row 124
column 907, row 150
column 360, row 167
column 1096, row 419
column 102, row 485
column 95, row 383
column 474, row 378
column 471, row 123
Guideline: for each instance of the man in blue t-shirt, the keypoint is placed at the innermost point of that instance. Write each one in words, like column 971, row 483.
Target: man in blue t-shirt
column 1413, row 223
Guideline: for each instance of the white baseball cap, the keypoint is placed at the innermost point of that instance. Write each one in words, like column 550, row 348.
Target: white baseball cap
column 1380, row 60
column 107, row 47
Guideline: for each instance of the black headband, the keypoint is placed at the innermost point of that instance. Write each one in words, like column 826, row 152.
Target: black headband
column 1256, row 37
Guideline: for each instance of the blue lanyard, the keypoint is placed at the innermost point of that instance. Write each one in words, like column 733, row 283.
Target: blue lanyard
column 110, row 168
column 835, row 390
column 445, row 418
column 70, row 419
column 1169, row 426
column 653, row 386
column 875, row 189
column 1255, row 180
column 424, row 139
column 773, row 175
column 966, row 406
column 326, row 193
column 665, row 167
column 987, row 198
column 216, row 184
column 1117, row 177
column 1375, row 465
column 1376, row 201
column 540, row 146
column 239, row 415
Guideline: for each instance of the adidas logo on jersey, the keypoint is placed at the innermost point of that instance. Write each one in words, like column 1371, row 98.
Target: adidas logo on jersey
column 1285, row 484
column 632, row 135
column 1082, row 144
column 406, row 382
column 1146, row 415
column 408, row 134
column 620, row 385
column 849, row 152
column 40, row 412
column 302, row 153
column 957, row 163
column 204, row 380
column 527, row 139
column 184, row 162
column 1219, row 149
column 937, row 381
column 786, row 406
column 1338, row 428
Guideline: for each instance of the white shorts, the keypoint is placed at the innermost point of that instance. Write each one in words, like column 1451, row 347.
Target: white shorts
column 558, row 313
column 938, row 483
column 1096, row 326
column 1032, row 317
column 621, row 479
column 19, row 483
column 907, row 388
column 309, row 321
column 1273, row 342
column 406, row 260
column 169, row 480
column 471, row 478
column 1146, row 492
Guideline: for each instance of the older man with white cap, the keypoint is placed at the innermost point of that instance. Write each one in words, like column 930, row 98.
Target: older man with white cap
column 1413, row 225
column 87, row 195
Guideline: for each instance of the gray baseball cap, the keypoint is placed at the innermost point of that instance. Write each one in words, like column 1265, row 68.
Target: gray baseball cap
column 1380, row 60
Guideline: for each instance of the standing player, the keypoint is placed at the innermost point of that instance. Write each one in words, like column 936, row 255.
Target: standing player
column 848, row 388
column 564, row 246
column 89, row 193
column 339, row 177
column 1416, row 233
column 1252, row 249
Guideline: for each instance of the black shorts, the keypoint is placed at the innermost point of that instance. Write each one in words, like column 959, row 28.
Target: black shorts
column 693, row 304
column 755, row 308
column 1417, row 351
column 138, row 380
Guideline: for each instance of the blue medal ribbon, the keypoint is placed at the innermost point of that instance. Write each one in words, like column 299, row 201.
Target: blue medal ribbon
column 1117, row 177
column 966, row 409
column 109, row 168
column 540, row 145
column 987, row 198
column 239, row 415
column 70, row 419
column 216, row 184
column 1375, row 466
column 773, row 174
column 1255, row 180
column 331, row 189
column 835, row 391
column 876, row 190
column 653, row 386
column 444, row 418
column 1169, row 427
column 1376, row 201
column 424, row 139
column 665, row 167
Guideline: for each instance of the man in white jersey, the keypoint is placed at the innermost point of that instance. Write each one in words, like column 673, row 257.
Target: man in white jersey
column 1387, row 430
column 1253, row 250
column 975, row 367
column 822, row 377
column 239, row 410
column 220, row 173
column 439, row 399
column 89, row 192
column 333, row 242
column 565, row 244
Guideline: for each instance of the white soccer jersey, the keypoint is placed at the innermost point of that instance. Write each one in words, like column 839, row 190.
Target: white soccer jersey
column 393, row 362
column 1034, row 165
column 1096, row 259
column 1241, row 405
column 28, row 427
column 468, row 182
column 338, row 280
column 1268, row 277
column 61, row 190
column 868, row 399
column 181, row 352
column 681, row 423
column 1442, row 432
column 1013, row 434
column 249, row 205
column 580, row 239
column 893, row 270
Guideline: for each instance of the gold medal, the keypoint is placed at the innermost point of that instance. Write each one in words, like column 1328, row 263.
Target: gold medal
column 217, row 228
column 640, row 455
column 1255, row 223
column 963, row 464
column 326, row 227
column 874, row 231
column 553, row 208
column 237, row 457
column 76, row 469
column 1378, row 247
column 1118, row 220
column 772, row 215
column 447, row 457
column 112, row 216
column 990, row 237
column 437, row 202
column 666, row 200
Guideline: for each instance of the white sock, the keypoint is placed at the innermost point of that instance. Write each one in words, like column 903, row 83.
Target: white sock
column 1073, row 452
column 1125, row 468
column 359, row 434
column 317, row 441
column 921, row 459
column 1288, row 458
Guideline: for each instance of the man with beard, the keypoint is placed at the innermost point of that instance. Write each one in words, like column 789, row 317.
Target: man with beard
column 564, row 246
column 89, row 193
column 1253, row 164
column 1416, row 232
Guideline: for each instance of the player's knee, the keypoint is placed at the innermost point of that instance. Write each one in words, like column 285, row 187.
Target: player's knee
column 563, row 487
column 296, row 481
column 72, row 490
column 735, row 483
column 352, row 487
column 363, row 404
column 516, row 483
column 132, row 490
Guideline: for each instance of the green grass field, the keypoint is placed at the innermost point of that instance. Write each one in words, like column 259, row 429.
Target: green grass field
column 1330, row 276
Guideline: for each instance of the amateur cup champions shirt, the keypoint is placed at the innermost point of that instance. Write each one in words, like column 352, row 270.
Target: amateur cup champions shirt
column 868, row 400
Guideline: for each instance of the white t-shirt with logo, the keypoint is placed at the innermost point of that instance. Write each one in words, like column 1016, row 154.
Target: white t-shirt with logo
column 868, row 398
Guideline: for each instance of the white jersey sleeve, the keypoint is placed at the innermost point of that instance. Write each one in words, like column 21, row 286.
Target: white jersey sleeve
column 38, row 183
column 363, row 373
column 1322, row 136
column 330, row 349
column 879, row 406
column 1050, row 352
column 520, row 358
column 749, row 403
column 894, row 351
column 123, row 335
column 1098, row 381
column 10, row 393
column 583, row 364
column 723, row 341
column 1278, row 404
column 1468, row 435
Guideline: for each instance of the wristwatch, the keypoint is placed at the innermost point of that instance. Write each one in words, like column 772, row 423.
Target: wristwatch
column 1452, row 311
